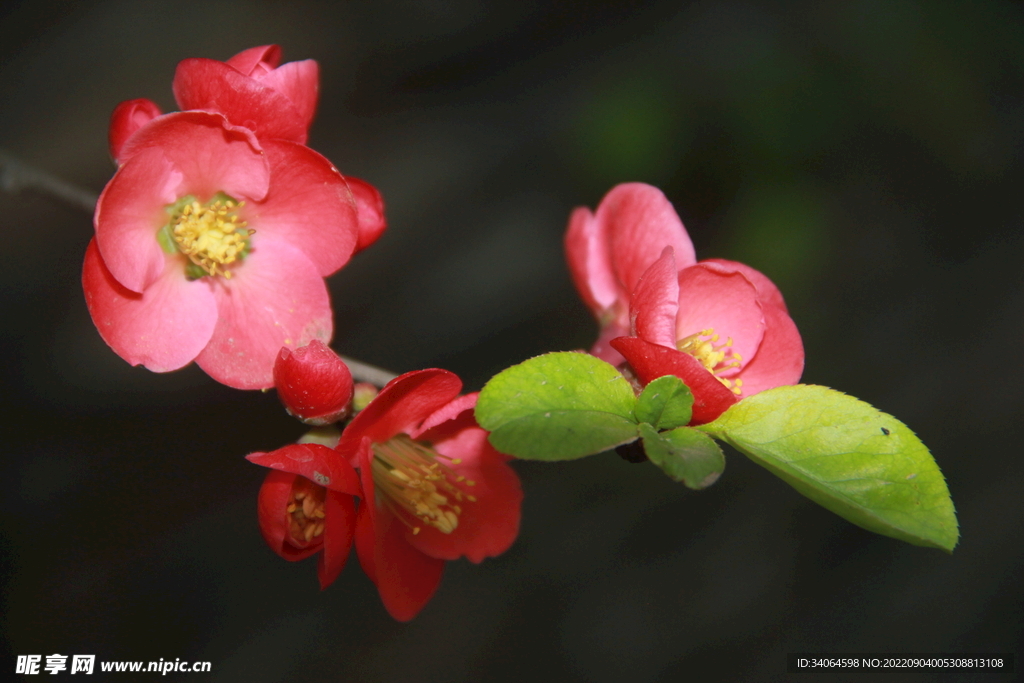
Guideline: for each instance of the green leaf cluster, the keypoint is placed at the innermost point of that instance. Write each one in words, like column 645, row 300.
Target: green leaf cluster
column 842, row 453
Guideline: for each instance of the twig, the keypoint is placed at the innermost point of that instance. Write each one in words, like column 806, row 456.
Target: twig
column 361, row 372
column 16, row 176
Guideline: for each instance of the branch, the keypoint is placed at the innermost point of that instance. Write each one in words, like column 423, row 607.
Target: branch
column 361, row 372
column 16, row 176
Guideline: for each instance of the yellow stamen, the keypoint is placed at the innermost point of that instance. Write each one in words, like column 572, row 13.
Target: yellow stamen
column 305, row 511
column 413, row 482
column 212, row 236
column 717, row 358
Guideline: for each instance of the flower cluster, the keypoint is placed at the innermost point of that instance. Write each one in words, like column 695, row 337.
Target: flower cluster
column 215, row 233
column 430, row 486
column 720, row 326
column 212, row 243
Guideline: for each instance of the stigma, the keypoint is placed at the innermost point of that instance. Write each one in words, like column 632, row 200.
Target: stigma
column 305, row 511
column 415, row 483
column 715, row 357
column 211, row 235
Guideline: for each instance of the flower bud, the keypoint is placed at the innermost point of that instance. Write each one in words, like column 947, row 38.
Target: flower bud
column 314, row 384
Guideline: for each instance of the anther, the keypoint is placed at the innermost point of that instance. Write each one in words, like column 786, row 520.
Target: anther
column 416, row 485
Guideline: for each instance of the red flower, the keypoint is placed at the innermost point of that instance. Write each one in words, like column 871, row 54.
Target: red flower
column 314, row 384
column 434, row 488
column 306, row 505
column 720, row 326
column 610, row 250
column 212, row 246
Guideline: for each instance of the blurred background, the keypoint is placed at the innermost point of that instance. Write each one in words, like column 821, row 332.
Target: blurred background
column 866, row 155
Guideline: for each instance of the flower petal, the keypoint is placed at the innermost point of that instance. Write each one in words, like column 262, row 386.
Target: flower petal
column 725, row 301
column 127, row 118
column 780, row 358
column 309, row 205
column 129, row 214
column 246, row 61
column 489, row 525
column 767, row 292
column 211, row 155
column 370, row 208
column 321, row 465
column 587, row 253
column 276, row 298
column 366, row 536
column 651, row 361
column 400, row 407
column 339, row 527
column 602, row 348
column 655, row 302
column 272, row 513
column 300, row 83
column 406, row 578
column 164, row 328
column 210, row 85
column 638, row 223
column 366, row 541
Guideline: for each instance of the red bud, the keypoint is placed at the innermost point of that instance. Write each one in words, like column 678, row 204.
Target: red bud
column 314, row 384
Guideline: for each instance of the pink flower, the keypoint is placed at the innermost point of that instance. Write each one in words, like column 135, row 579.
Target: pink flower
column 253, row 92
column 434, row 488
column 720, row 326
column 306, row 505
column 610, row 250
column 212, row 246
column 314, row 384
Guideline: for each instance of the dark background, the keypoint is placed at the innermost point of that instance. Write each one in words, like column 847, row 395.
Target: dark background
column 866, row 155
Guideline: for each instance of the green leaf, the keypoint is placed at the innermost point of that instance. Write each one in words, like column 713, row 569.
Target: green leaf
column 665, row 403
column 558, row 406
column 684, row 454
column 847, row 456
column 562, row 434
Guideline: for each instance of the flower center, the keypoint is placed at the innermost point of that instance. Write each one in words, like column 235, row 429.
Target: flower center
column 717, row 358
column 306, row 511
column 211, row 235
column 412, row 481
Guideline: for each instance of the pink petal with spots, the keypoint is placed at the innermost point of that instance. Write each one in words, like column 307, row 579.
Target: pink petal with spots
column 275, row 298
column 309, row 205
